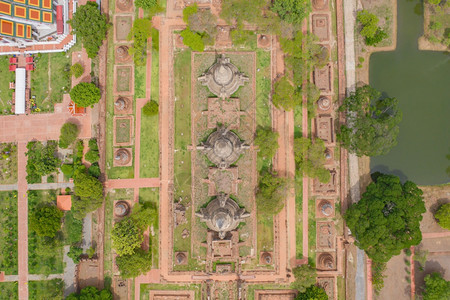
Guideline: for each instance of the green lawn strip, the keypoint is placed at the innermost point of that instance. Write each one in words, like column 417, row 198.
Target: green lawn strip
column 8, row 232
column 149, row 160
column 5, row 92
column 267, row 286
column 8, row 163
column 40, row 82
column 45, row 256
column 263, row 84
column 312, row 230
column 340, row 288
column 140, row 77
column 123, row 130
column 155, row 73
column 46, row 289
column 60, row 77
column 151, row 195
column 146, row 288
column 265, row 233
column 9, row 290
column 298, row 217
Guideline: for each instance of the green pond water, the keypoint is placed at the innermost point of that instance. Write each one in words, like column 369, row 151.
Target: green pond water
column 420, row 80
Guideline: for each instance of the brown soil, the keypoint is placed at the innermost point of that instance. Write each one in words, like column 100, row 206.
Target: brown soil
column 88, row 274
column 395, row 284
column 123, row 79
column 434, row 197
column 122, row 26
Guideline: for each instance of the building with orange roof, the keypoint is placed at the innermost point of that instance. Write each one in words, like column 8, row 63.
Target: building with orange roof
column 64, row 202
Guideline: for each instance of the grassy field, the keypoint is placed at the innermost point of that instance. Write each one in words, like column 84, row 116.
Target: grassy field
column 123, row 130
column 140, row 77
column 8, row 163
column 312, row 231
column 263, row 86
column 155, row 67
column 9, row 291
column 45, row 256
column 145, row 289
column 46, row 289
column 149, row 162
column 60, row 79
column 265, row 234
column 151, row 195
column 40, row 82
column 5, row 92
column 8, row 232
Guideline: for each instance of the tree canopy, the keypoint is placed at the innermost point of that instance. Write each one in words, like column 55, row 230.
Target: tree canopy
column 90, row 26
column 91, row 293
column 146, row 4
column 193, row 40
column 46, row 220
column 126, row 237
column 285, row 95
column 387, row 218
column 85, row 94
column 69, row 133
column 271, row 193
column 436, row 287
column 372, row 122
column 267, row 141
column 291, row 11
column 313, row 293
column 370, row 30
column 77, row 70
column 88, row 187
column 443, row 216
column 305, row 276
column 310, row 158
column 41, row 160
column 151, row 108
column 130, row 266
column 139, row 33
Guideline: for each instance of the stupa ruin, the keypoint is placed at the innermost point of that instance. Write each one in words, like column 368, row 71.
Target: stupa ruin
column 223, row 78
column 223, row 147
column 222, row 215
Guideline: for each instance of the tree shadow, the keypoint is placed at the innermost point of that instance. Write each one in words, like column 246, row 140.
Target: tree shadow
column 386, row 170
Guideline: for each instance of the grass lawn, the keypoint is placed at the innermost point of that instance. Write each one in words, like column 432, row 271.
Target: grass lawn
column 45, row 256
column 46, row 289
column 139, row 81
column 265, row 234
column 40, row 82
column 151, row 195
column 263, row 86
column 8, row 163
column 312, row 231
column 155, row 69
column 123, row 130
column 145, row 289
column 9, row 290
column 8, row 232
column 5, row 92
column 341, row 288
column 149, row 162
column 60, row 78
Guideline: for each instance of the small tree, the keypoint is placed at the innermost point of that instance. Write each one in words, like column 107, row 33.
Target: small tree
column 267, row 142
column 90, row 27
column 146, row 4
column 271, row 193
column 88, row 187
column 85, row 94
column 291, row 11
column 313, row 293
column 126, row 237
column 46, row 221
column 92, row 156
column 443, row 216
column 436, row 287
column 305, row 276
column 285, row 95
column 141, row 31
column 204, row 22
column 75, row 253
column 77, row 70
column 372, row 122
column 69, row 133
column 91, row 293
column 133, row 265
column 150, row 108
column 193, row 40
column 370, row 30
column 310, row 158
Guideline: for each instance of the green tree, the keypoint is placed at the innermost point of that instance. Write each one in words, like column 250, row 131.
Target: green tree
column 75, row 253
column 90, row 26
column 291, row 11
column 133, row 265
column 189, row 11
column 193, row 40
column 378, row 269
column 91, row 293
column 73, row 228
column 46, row 220
column 434, row 2
column 372, row 122
column 285, row 95
column 69, row 133
column 85, row 94
column 94, row 170
column 313, row 293
column 240, row 11
column 443, row 216
column 146, row 4
column 92, row 156
column 126, row 237
column 387, row 218
column 267, row 142
column 305, row 276
column 139, row 33
column 150, row 108
column 271, row 193
column 436, row 287
column 77, row 70
column 88, row 187
column 370, row 30
column 310, row 158
column 41, row 160
column 205, row 23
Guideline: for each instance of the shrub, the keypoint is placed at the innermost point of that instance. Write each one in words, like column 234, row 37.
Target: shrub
column 46, row 221
column 291, row 11
column 370, row 30
column 192, row 40
column 378, row 276
column 313, row 292
column 85, row 94
column 92, row 156
column 77, row 70
column 41, row 160
column 436, row 287
column 443, row 216
column 69, row 133
column 93, row 144
column 91, row 293
column 305, row 276
column 75, row 253
column 146, row 4
column 94, row 170
column 150, row 108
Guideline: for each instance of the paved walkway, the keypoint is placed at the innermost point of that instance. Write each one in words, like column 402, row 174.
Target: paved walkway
column 38, row 186
column 69, row 273
column 86, row 243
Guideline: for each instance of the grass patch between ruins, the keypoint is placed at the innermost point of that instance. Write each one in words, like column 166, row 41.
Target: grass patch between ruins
column 151, row 195
column 8, row 232
column 145, row 289
column 5, row 92
column 149, row 160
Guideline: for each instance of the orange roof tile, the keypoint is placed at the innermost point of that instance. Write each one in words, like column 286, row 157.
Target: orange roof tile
column 64, row 202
